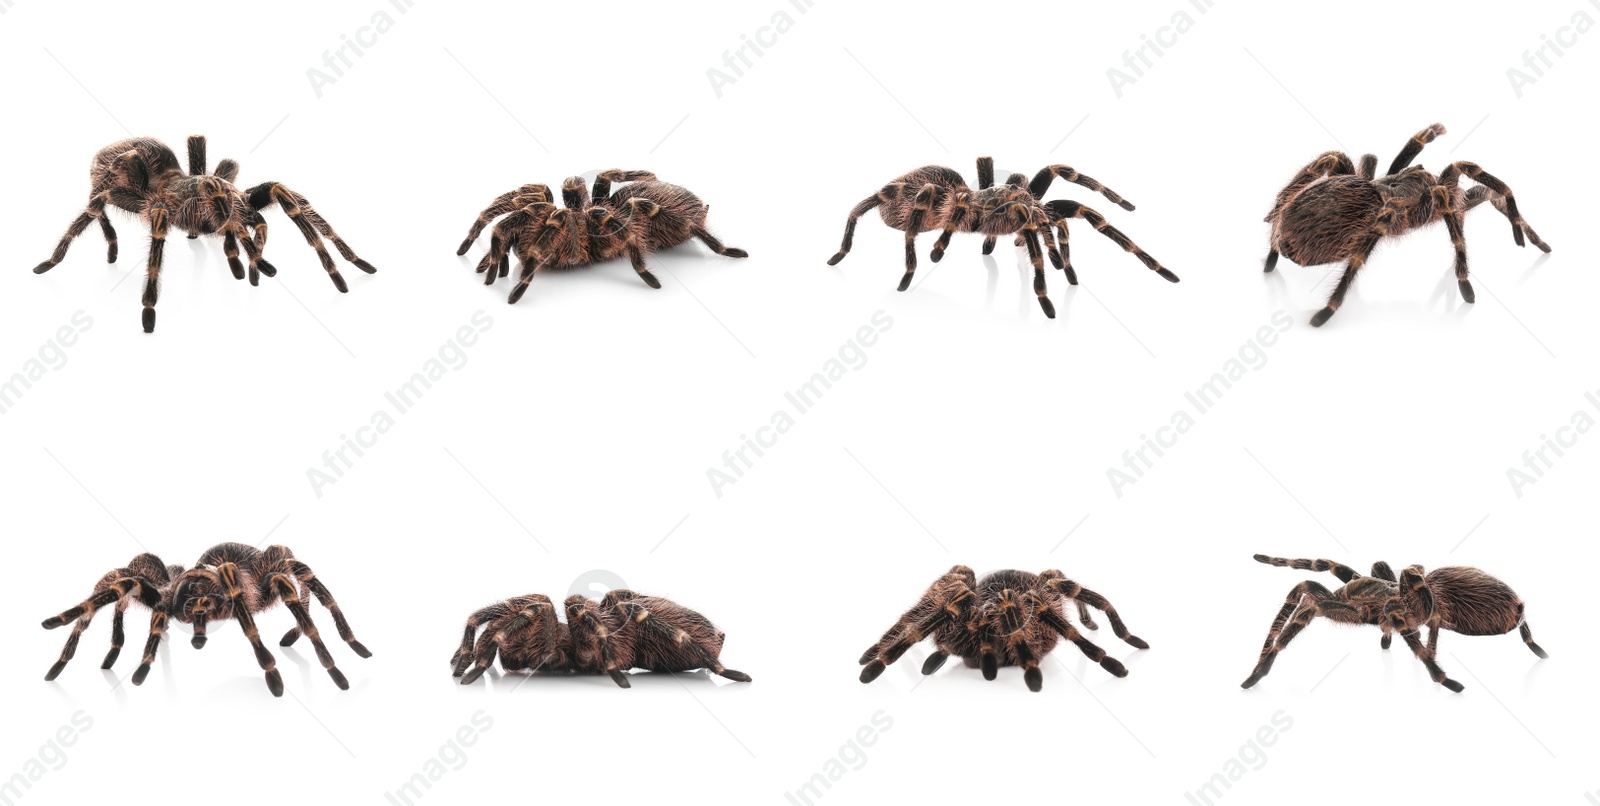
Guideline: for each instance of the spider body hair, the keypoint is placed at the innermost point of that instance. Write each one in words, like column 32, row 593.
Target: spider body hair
column 1460, row 599
column 230, row 582
column 938, row 198
column 142, row 176
column 1333, row 211
column 646, row 215
column 1006, row 618
column 624, row 630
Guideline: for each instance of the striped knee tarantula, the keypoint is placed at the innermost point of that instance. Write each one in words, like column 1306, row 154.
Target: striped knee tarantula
column 935, row 197
column 1007, row 618
column 231, row 581
column 143, row 177
column 625, row 630
column 642, row 217
column 1461, row 599
column 1334, row 211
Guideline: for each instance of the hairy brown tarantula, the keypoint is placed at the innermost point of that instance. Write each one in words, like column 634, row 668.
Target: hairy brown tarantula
column 642, row 217
column 934, row 197
column 1333, row 211
column 1457, row 598
column 1007, row 618
column 143, row 177
column 231, row 581
column 625, row 630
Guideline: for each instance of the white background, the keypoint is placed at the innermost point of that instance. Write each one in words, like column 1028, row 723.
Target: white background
column 579, row 432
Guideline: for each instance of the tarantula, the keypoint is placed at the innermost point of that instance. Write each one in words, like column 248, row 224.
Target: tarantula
column 143, row 177
column 231, row 580
column 625, row 630
column 1333, row 211
column 934, row 197
column 1457, row 598
column 645, row 216
column 1007, row 618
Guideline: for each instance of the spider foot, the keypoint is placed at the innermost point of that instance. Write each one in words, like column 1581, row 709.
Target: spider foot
column 365, row 266
column 1466, row 292
column 1167, row 275
column 55, row 670
column 832, row 261
column 140, row 674
column 933, row 662
column 472, row 676
column 111, row 657
column 1452, row 685
column 1322, row 316
column 938, row 254
column 1034, row 678
column 736, row 675
column 620, row 678
column 1134, row 641
column 43, row 267
column 275, row 682
column 871, row 671
column 1113, row 666
column 732, row 252
column 338, row 679
column 149, row 319
column 1048, row 306
column 360, row 649
column 649, row 279
column 198, row 642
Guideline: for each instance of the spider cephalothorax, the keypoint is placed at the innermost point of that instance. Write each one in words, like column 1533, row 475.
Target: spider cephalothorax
column 1335, row 211
column 1457, row 598
column 1007, row 618
column 642, row 217
column 143, row 177
column 625, row 630
column 937, row 198
column 230, row 581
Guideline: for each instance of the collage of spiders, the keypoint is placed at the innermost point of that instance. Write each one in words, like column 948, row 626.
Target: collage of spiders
column 1333, row 210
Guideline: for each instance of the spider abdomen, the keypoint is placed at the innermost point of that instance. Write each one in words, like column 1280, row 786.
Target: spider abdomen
column 1471, row 602
column 681, row 211
column 1327, row 221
